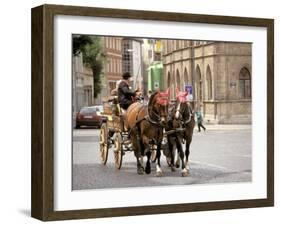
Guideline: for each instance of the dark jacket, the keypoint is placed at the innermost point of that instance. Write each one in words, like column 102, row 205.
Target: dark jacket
column 125, row 95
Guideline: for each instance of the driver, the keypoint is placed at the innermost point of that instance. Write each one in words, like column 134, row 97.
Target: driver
column 125, row 93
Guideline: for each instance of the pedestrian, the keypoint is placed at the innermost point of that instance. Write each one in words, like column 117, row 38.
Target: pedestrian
column 199, row 118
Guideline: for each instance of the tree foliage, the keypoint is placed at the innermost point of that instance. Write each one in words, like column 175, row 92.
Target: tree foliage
column 79, row 42
column 91, row 49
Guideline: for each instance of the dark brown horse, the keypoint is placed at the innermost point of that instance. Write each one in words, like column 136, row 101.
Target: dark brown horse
column 180, row 130
column 145, row 124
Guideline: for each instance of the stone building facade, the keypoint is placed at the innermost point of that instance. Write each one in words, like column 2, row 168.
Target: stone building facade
column 219, row 73
column 112, row 50
column 82, row 80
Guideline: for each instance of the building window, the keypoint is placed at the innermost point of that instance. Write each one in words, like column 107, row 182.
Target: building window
column 187, row 78
column 198, row 85
column 209, row 83
column 126, row 57
column 178, row 79
column 119, row 63
column 111, row 65
column 119, row 44
column 168, row 46
column 112, row 85
column 87, row 95
column 157, row 57
column 177, row 44
column 169, row 84
column 107, row 42
column 110, row 43
column 244, row 83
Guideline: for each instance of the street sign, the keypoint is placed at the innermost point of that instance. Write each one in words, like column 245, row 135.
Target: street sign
column 156, row 85
column 188, row 89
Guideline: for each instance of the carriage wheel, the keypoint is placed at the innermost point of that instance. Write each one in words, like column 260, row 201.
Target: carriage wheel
column 103, row 143
column 118, row 152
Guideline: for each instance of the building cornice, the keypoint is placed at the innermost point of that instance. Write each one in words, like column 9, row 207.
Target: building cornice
column 206, row 56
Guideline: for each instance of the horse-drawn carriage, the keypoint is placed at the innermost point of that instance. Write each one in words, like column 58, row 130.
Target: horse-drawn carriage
column 147, row 134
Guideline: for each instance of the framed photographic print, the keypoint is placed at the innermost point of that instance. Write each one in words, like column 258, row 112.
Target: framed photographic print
column 141, row 112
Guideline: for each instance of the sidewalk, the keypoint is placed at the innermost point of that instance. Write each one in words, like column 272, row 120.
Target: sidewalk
column 226, row 126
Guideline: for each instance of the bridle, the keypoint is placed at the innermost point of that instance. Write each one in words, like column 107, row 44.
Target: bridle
column 153, row 116
column 179, row 114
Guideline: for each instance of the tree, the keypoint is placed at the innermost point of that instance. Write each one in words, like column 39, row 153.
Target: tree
column 92, row 57
column 91, row 49
column 79, row 42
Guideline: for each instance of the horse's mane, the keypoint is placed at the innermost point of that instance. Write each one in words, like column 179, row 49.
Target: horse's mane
column 151, row 99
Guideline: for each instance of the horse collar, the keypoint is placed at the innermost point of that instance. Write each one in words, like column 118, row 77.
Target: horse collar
column 149, row 119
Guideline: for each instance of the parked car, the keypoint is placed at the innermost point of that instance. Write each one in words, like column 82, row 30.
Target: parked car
column 89, row 116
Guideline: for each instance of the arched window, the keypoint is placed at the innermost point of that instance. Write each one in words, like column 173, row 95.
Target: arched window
column 187, row 78
column 168, row 80
column 170, row 84
column 244, row 83
column 209, row 83
column 178, row 79
column 198, row 85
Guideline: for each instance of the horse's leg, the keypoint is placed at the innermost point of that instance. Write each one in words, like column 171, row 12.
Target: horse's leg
column 147, row 152
column 187, row 152
column 137, row 152
column 184, row 171
column 178, row 159
column 159, row 171
column 169, row 153
column 173, row 153
column 148, row 167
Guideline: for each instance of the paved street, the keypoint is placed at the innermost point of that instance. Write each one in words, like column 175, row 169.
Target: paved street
column 219, row 155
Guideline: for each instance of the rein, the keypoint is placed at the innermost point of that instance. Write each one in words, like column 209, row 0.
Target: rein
column 150, row 119
column 152, row 116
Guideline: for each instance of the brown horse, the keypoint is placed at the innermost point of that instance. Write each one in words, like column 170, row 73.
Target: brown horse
column 145, row 124
column 180, row 130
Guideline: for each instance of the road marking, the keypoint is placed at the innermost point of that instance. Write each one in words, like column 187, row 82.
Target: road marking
column 243, row 156
column 209, row 164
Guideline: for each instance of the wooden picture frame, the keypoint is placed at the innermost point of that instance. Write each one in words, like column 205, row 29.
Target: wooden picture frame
column 42, row 203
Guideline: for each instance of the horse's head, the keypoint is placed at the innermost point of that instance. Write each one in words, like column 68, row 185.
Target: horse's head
column 159, row 105
column 181, row 106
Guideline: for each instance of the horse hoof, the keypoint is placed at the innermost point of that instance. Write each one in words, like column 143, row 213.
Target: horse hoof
column 173, row 169
column 159, row 174
column 184, row 173
column 147, row 170
column 178, row 165
column 141, row 171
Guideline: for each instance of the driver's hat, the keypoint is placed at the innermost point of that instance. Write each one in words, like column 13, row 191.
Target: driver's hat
column 126, row 75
